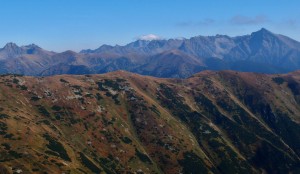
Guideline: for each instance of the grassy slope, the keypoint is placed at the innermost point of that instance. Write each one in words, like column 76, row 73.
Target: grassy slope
column 213, row 122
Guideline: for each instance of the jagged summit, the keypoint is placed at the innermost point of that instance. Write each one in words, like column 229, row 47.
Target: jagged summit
column 10, row 45
column 263, row 32
column 32, row 46
column 10, row 50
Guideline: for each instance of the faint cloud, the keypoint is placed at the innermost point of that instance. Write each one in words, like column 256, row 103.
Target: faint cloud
column 288, row 24
column 207, row 21
column 291, row 23
column 185, row 24
column 246, row 20
column 149, row 37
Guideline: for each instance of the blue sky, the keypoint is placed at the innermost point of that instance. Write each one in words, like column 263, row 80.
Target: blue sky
column 60, row 25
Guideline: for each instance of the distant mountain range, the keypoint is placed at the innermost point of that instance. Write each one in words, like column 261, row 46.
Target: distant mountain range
column 261, row 51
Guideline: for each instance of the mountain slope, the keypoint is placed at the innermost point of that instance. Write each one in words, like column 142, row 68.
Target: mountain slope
column 171, row 64
column 30, row 59
column 266, row 47
column 212, row 122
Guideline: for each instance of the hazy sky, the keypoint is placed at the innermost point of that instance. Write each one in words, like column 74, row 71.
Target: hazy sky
column 60, row 25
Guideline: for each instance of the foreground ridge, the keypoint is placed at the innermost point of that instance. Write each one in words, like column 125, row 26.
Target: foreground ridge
column 120, row 122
